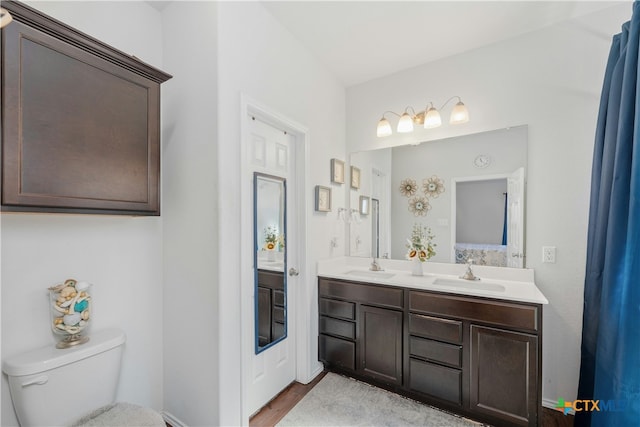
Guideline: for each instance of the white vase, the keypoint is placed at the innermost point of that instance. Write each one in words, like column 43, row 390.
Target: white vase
column 271, row 255
column 416, row 268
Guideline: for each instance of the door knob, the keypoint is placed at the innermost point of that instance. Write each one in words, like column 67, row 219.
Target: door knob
column 293, row 272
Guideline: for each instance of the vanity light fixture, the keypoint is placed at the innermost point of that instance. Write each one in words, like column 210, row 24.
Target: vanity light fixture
column 429, row 118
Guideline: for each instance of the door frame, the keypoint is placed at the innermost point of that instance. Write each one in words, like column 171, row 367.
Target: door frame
column 302, row 293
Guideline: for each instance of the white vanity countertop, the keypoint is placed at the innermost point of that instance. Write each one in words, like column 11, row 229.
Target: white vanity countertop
column 495, row 282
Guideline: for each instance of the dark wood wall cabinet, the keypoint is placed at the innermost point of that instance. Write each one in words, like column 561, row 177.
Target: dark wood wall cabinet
column 478, row 357
column 80, row 121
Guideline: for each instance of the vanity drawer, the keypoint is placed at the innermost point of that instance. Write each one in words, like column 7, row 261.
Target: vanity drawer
column 449, row 354
column 278, row 298
column 370, row 294
column 343, row 309
column 341, row 328
column 337, row 352
column 511, row 315
column 432, row 327
column 271, row 279
column 278, row 314
column 435, row 380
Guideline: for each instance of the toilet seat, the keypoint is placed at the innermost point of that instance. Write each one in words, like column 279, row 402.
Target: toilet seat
column 121, row 414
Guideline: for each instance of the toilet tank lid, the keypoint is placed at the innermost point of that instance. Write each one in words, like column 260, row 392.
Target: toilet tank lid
column 50, row 357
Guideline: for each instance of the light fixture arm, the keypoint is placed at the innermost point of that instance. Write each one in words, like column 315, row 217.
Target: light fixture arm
column 448, row 101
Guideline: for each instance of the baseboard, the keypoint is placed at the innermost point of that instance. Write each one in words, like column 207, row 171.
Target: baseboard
column 551, row 404
column 171, row 420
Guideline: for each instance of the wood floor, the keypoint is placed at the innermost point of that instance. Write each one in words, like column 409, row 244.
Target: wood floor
column 276, row 409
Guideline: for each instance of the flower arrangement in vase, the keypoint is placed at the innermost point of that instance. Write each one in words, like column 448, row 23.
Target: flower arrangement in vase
column 272, row 241
column 420, row 247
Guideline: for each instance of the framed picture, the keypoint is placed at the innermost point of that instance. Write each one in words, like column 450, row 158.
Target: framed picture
column 364, row 205
column 355, row 177
column 337, row 171
column 323, row 199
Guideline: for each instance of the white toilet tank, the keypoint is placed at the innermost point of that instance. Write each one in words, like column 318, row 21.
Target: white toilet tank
column 55, row 387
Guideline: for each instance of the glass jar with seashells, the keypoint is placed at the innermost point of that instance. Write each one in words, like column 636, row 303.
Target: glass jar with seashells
column 70, row 308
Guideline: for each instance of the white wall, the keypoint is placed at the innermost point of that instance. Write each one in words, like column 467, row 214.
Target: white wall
column 190, row 214
column 551, row 80
column 120, row 255
column 259, row 58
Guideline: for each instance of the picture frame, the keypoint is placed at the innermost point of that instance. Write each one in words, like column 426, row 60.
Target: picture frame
column 355, row 178
column 323, row 199
column 364, row 205
column 337, row 171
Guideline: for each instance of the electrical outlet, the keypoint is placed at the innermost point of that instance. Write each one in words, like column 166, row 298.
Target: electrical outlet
column 549, row 254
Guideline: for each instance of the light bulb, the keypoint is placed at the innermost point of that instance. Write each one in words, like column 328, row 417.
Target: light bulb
column 432, row 118
column 459, row 114
column 405, row 124
column 384, row 128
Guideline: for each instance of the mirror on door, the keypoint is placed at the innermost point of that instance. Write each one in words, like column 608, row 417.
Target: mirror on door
column 269, row 220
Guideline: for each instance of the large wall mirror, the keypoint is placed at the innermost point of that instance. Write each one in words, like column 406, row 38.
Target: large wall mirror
column 269, row 226
column 469, row 190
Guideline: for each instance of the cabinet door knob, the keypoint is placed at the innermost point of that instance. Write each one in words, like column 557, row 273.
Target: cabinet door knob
column 293, row 272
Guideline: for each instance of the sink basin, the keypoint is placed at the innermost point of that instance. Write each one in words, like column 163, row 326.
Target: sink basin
column 372, row 274
column 480, row 285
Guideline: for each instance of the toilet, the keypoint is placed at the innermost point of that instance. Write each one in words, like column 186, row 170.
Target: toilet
column 74, row 386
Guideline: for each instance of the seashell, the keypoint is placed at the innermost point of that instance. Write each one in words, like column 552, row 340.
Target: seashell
column 81, row 305
column 66, row 304
column 82, row 286
column 61, row 326
column 60, row 309
column 71, row 319
column 57, row 288
column 85, row 315
column 72, row 329
column 82, row 323
column 70, row 282
column 60, row 300
column 67, row 291
column 57, row 320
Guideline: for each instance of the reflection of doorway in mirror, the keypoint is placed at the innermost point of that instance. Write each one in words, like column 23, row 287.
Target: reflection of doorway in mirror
column 380, row 188
column 375, row 228
column 487, row 219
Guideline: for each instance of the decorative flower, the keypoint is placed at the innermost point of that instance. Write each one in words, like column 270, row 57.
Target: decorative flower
column 433, row 186
column 419, row 206
column 271, row 238
column 408, row 187
column 421, row 245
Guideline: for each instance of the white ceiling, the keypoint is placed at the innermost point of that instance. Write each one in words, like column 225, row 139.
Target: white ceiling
column 362, row 40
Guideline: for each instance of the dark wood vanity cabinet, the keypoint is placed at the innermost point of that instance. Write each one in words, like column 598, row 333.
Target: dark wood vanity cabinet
column 271, row 306
column 478, row 357
column 80, row 121
column 365, row 339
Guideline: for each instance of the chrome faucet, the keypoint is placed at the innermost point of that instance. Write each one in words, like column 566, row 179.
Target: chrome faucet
column 468, row 275
column 375, row 266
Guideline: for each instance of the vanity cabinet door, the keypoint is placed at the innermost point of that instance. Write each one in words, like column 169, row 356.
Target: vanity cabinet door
column 504, row 375
column 381, row 343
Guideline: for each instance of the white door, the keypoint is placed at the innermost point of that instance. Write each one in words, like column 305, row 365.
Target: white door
column 515, row 219
column 272, row 151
